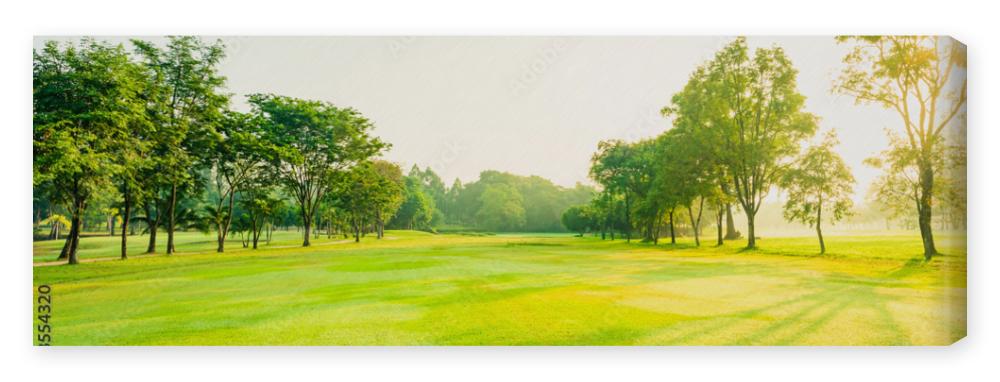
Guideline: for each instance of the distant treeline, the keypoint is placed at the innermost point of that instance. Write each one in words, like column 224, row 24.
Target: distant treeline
column 500, row 201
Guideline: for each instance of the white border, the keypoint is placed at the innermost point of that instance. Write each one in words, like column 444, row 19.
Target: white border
column 972, row 22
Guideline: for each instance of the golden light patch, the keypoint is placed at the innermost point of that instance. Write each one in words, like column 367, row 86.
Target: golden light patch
column 711, row 295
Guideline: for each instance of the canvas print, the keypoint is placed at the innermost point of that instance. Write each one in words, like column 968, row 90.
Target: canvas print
column 499, row 190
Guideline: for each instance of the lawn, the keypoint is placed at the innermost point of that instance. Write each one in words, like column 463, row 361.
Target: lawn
column 414, row 288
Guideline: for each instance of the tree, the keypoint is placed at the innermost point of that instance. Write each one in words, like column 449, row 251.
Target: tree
column 501, row 208
column 576, row 219
column 388, row 193
column 260, row 204
column 922, row 79
column 185, row 104
column 621, row 169
column 750, row 109
column 434, row 187
column 450, row 207
column 312, row 141
column 133, row 152
column 371, row 190
column 238, row 155
column 688, row 175
column 543, row 201
column 417, row 208
column 57, row 223
column 819, row 179
column 698, row 154
column 85, row 99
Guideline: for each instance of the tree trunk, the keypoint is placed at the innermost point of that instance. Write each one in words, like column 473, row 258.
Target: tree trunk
column 171, row 219
column 673, row 235
column 718, row 225
column 220, row 238
column 730, row 224
column 306, row 222
column 64, row 253
column 357, row 231
column 75, row 234
column 819, row 231
column 225, row 222
column 255, row 229
column 151, row 248
column 924, row 204
column 656, row 234
column 221, row 241
column 694, row 226
column 628, row 219
column 126, row 212
column 270, row 228
column 751, row 237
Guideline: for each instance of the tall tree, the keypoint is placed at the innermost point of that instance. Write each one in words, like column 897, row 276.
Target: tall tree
column 694, row 111
column 236, row 159
column 388, row 193
column 755, row 116
column 186, row 105
column 819, row 181
column 621, row 169
column 922, row 79
column 85, row 101
column 133, row 152
column 312, row 141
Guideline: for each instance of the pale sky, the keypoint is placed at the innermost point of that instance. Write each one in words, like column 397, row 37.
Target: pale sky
column 526, row 105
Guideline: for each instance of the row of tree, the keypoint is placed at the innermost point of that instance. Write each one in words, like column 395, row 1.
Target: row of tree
column 147, row 138
column 153, row 130
column 739, row 125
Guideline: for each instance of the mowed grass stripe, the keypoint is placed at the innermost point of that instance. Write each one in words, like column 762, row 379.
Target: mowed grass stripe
column 413, row 288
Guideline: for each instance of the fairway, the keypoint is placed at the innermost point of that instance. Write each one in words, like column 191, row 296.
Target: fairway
column 415, row 288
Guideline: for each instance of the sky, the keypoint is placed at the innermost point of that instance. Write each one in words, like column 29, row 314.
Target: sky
column 526, row 105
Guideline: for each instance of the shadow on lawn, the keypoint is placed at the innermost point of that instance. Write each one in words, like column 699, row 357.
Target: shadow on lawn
column 816, row 310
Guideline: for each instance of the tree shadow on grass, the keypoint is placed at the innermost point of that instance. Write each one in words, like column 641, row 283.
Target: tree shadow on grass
column 828, row 302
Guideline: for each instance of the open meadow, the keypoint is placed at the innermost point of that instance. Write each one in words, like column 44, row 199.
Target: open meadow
column 794, row 224
column 415, row 288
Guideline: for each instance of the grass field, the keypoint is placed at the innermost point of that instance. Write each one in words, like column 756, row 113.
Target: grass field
column 414, row 288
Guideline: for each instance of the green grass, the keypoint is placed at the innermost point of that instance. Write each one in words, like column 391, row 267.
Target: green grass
column 414, row 288
column 110, row 247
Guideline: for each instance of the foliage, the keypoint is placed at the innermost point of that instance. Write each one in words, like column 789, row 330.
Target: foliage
column 312, row 141
column 85, row 103
column 577, row 219
column 745, row 113
column 501, row 208
column 819, row 181
column 185, row 103
column 922, row 79
column 368, row 192
column 542, row 201
column 417, row 208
